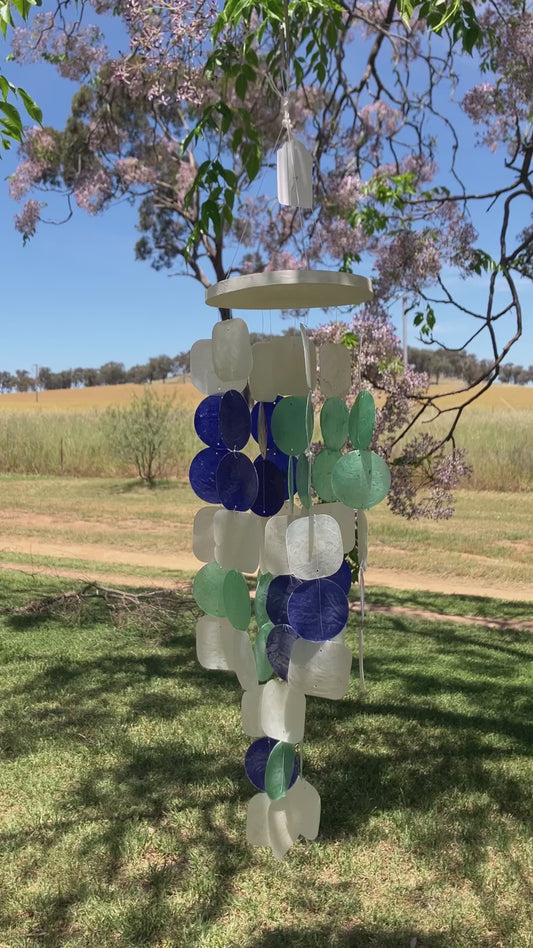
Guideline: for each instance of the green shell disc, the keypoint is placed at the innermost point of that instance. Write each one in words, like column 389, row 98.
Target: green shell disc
column 262, row 664
column 279, row 770
column 208, row 589
column 303, row 481
column 325, row 462
column 261, row 589
column 361, row 479
column 292, row 424
column 237, row 600
column 362, row 420
column 334, row 423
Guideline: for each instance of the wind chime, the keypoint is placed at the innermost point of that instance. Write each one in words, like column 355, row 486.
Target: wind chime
column 289, row 517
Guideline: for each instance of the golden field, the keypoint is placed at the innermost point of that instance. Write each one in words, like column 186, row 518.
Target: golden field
column 96, row 397
column 498, row 398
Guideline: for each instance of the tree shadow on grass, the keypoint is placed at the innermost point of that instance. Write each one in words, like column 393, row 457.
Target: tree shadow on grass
column 138, row 486
column 363, row 936
column 161, row 811
column 456, row 604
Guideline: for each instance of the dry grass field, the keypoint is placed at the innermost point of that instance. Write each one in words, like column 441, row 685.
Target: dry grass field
column 498, row 398
column 96, row 398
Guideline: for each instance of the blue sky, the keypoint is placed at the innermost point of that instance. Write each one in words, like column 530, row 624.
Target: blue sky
column 75, row 296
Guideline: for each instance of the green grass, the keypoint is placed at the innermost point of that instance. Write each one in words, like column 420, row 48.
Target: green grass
column 123, row 798
column 489, row 539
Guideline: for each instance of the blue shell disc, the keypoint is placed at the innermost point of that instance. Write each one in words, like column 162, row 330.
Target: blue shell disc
column 317, row 610
column 271, row 488
column 234, row 420
column 278, row 593
column 268, row 408
column 206, row 422
column 237, row 482
column 256, row 758
column 343, row 577
column 279, row 647
column 203, row 474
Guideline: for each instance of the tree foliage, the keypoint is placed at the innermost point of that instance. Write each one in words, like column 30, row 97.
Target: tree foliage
column 141, row 433
column 183, row 121
column 11, row 121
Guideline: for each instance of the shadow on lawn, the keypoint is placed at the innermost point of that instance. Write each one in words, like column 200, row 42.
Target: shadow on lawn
column 185, row 795
column 356, row 936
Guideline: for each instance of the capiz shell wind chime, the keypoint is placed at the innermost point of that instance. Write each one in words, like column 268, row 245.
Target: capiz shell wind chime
column 288, row 516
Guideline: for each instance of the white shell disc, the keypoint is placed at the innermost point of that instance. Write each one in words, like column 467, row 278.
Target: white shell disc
column 203, row 540
column 263, row 377
column 237, row 540
column 232, row 351
column 303, row 806
column 320, row 668
column 244, row 661
column 335, row 362
column 289, row 365
column 281, row 834
column 345, row 517
column 257, row 820
column 203, row 375
column 215, row 643
column 274, row 553
column 251, row 712
column 314, row 547
column 283, row 712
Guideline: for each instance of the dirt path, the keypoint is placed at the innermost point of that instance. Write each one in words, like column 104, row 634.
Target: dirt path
column 98, row 553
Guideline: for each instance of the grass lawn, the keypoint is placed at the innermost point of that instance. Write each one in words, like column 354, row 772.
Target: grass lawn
column 123, row 797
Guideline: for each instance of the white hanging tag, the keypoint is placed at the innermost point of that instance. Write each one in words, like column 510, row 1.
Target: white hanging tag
column 362, row 539
column 309, row 378
column 295, row 164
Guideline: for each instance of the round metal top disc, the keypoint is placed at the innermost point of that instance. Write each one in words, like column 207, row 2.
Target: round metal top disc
column 290, row 289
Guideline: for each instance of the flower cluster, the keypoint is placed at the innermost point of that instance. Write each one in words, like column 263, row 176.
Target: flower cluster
column 423, row 479
column 26, row 222
column 93, row 190
column 423, row 476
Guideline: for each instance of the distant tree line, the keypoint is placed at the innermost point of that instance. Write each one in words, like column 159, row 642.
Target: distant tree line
column 437, row 363
column 157, row 369
column 445, row 363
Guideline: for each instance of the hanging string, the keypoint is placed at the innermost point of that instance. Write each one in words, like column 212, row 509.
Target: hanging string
column 361, row 627
column 362, row 555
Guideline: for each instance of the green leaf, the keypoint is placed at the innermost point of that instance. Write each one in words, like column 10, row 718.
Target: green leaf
column 11, row 113
column 241, row 85
column 6, row 87
column 279, row 770
column 32, row 108
column 350, row 340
